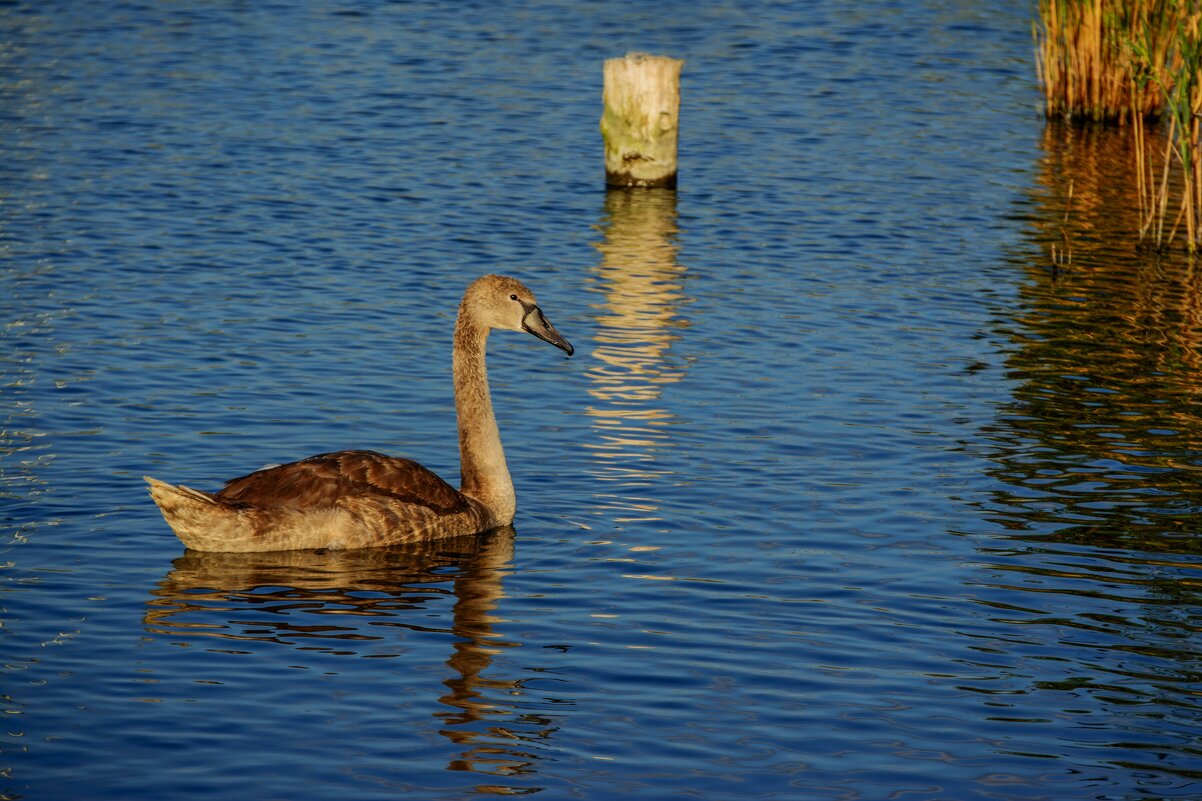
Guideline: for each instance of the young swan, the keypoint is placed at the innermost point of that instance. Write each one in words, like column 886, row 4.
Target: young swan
column 362, row 499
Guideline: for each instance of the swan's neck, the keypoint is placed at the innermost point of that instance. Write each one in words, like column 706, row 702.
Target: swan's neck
column 483, row 472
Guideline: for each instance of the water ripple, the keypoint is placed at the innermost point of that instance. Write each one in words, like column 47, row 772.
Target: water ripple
column 854, row 488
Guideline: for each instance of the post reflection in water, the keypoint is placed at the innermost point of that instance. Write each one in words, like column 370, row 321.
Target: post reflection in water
column 364, row 603
column 642, row 284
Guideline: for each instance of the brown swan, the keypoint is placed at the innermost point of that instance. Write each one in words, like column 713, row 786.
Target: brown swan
column 362, row 499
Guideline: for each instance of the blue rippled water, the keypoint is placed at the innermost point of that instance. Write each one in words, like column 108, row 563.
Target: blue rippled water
column 854, row 489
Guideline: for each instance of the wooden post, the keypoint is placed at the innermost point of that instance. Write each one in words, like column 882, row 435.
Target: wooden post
column 640, row 120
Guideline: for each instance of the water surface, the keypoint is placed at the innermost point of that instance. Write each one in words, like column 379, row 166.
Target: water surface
column 855, row 488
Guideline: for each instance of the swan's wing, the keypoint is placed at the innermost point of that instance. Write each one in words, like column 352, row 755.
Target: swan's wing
column 324, row 479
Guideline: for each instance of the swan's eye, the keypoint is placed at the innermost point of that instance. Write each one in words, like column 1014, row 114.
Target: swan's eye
column 513, row 297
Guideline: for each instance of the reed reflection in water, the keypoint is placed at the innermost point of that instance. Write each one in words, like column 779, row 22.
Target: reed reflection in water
column 1108, row 357
column 642, row 284
column 366, row 603
column 1098, row 458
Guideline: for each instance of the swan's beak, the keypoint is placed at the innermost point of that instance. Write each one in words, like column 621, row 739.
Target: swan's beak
column 536, row 324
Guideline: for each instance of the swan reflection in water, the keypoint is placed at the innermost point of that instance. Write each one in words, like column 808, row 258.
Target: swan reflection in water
column 364, row 603
column 642, row 284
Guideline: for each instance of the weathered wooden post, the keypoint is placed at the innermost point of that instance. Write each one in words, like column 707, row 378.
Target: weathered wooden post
column 640, row 121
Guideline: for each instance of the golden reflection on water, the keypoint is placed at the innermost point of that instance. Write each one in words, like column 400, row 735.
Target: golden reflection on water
column 1104, row 429
column 1098, row 460
column 1087, row 180
column 363, row 603
column 639, row 320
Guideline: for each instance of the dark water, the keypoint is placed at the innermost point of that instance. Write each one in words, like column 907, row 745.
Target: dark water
column 855, row 489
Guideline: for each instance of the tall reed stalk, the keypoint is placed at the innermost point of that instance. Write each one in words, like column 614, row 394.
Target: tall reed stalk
column 1178, row 80
column 1127, row 61
column 1085, row 61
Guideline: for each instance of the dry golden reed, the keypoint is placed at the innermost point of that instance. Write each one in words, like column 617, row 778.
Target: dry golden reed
column 1126, row 61
column 1093, row 56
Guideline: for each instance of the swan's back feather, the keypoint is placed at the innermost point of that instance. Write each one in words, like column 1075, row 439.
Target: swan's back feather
column 350, row 499
column 324, row 479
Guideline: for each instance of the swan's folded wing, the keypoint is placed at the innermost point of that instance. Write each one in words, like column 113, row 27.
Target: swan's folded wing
column 325, row 479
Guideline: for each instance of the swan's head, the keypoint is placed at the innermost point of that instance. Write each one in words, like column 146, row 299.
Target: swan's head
column 498, row 301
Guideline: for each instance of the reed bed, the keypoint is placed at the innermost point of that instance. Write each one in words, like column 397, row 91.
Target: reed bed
column 1133, row 61
column 1103, row 60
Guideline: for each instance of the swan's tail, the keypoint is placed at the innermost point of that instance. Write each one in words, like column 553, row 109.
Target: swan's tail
column 202, row 521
